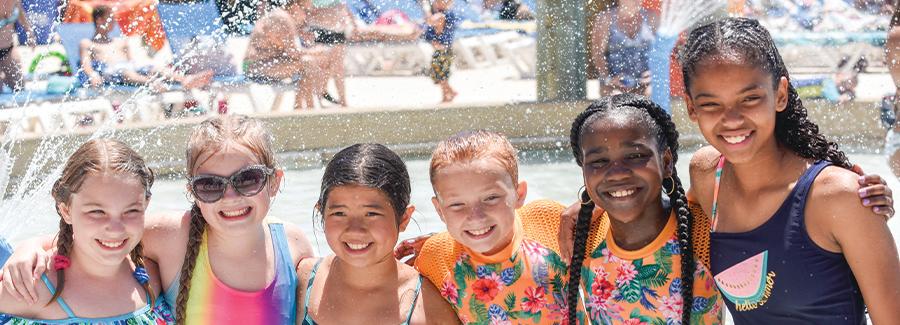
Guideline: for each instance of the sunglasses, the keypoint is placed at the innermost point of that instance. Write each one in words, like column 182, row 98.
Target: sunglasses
column 248, row 181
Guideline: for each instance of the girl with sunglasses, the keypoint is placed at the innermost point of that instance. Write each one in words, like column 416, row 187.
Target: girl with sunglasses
column 223, row 261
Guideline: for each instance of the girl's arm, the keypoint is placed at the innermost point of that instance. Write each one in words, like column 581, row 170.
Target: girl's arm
column 22, row 271
column 837, row 222
column 437, row 309
column 300, row 246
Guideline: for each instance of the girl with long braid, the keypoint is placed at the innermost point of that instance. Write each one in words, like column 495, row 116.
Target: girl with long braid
column 646, row 269
column 100, row 198
column 790, row 242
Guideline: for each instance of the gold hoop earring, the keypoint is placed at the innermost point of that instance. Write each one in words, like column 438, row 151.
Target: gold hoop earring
column 582, row 193
column 672, row 190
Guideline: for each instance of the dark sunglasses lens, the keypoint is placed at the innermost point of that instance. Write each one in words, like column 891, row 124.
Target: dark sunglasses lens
column 208, row 189
column 249, row 182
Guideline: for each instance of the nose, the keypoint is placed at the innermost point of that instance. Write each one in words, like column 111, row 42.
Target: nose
column 733, row 117
column 114, row 225
column 230, row 192
column 617, row 171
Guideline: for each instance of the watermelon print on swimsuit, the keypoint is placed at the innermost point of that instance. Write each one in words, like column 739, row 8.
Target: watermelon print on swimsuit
column 744, row 283
column 519, row 290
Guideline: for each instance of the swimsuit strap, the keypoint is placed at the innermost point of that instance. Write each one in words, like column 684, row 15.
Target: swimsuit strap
column 309, row 284
column 13, row 16
column 412, row 308
column 714, row 220
column 59, row 300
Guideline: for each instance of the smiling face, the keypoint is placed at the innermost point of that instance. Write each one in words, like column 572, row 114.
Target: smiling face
column 361, row 225
column 478, row 201
column 735, row 107
column 235, row 212
column 107, row 217
column 623, row 167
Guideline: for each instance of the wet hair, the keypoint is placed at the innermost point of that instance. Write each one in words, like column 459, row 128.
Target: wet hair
column 207, row 138
column 100, row 12
column 92, row 158
column 469, row 146
column 371, row 165
column 749, row 41
column 656, row 122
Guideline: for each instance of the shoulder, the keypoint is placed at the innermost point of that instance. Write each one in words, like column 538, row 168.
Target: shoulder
column 437, row 256
column 165, row 236
column 541, row 220
column 835, row 189
column 12, row 306
column 297, row 241
column 704, row 161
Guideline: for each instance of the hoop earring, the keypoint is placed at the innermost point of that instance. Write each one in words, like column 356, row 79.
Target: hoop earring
column 582, row 193
column 672, row 190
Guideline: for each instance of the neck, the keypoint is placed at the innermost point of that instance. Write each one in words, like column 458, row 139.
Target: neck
column 640, row 232
column 758, row 173
column 247, row 243
column 85, row 268
column 365, row 278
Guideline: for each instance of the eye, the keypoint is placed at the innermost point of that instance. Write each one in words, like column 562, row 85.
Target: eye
column 456, row 206
column 373, row 214
column 637, row 155
column 599, row 162
column 491, row 198
column 337, row 214
column 96, row 213
column 752, row 98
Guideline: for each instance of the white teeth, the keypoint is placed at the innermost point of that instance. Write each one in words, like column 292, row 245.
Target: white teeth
column 479, row 232
column 111, row 244
column 735, row 139
column 357, row 247
column 621, row 193
column 236, row 212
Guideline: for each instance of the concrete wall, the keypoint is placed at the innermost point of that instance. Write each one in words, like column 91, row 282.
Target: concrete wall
column 307, row 138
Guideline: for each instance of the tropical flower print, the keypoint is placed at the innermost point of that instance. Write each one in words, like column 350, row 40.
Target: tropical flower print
column 645, row 290
column 449, row 291
column 526, row 288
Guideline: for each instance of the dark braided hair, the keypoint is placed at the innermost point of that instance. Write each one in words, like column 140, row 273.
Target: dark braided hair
column 657, row 123
column 751, row 42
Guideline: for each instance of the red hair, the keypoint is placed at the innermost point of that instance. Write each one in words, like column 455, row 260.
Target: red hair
column 468, row 146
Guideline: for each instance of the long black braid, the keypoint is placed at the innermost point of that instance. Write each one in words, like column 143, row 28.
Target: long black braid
column 751, row 42
column 661, row 126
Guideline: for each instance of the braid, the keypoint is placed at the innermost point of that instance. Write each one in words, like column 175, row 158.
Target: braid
column 748, row 40
column 137, row 256
column 686, row 244
column 195, row 235
column 582, row 228
column 63, row 247
column 660, row 125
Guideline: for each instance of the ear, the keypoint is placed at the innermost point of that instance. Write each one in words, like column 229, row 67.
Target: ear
column 64, row 212
column 407, row 216
column 668, row 164
column 276, row 184
column 437, row 207
column 521, row 192
column 782, row 95
column 689, row 103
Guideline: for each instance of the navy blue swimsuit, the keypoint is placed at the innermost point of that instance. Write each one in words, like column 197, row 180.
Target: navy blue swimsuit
column 776, row 274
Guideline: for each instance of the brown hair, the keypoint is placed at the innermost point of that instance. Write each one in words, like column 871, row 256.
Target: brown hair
column 95, row 157
column 468, row 146
column 209, row 137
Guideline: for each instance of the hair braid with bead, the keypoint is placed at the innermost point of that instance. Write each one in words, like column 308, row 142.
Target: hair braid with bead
column 659, row 124
column 95, row 157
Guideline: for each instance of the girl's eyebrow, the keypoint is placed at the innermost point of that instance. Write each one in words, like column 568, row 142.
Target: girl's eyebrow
column 746, row 89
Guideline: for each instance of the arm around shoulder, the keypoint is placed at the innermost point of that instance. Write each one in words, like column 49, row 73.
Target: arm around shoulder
column 863, row 237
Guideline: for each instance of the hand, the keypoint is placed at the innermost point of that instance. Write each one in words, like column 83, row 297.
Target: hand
column 23, row 270
column 411, row 247
column 567, row 231
column 876, row 195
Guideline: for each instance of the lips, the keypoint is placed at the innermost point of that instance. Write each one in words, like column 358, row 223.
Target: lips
column 480, row 232
column 736, row 138
column 357, row 247
column 111, row 244
column 232, row 214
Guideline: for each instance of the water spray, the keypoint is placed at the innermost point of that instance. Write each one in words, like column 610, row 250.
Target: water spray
column 676, row 16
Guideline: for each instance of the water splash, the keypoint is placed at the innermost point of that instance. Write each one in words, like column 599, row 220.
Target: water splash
column 676, row 16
